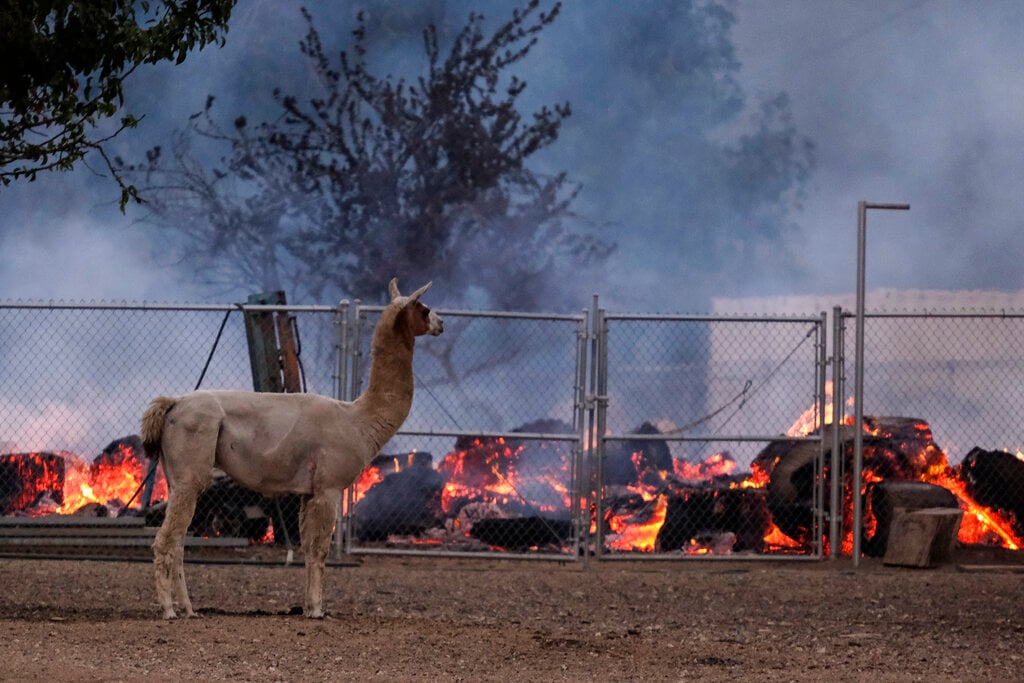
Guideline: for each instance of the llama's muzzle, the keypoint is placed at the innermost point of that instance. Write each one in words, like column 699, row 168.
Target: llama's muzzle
column 436, row 324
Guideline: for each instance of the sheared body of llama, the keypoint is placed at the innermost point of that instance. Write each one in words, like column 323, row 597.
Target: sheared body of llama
column 305, row 444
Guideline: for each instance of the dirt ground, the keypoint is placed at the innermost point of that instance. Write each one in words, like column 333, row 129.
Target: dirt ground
column 414, row 618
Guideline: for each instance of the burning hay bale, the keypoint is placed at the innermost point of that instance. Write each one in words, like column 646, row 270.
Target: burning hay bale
column 38, row 484
column 118, row 475
column 524, row 476
column 889, row 498
column 522, row 533
column 25, row 478
column 901, row 453
column 404, row 502
column 498, row 492
column 995, row 479
column 895, row 448
column 717, row 520
column 625, row 460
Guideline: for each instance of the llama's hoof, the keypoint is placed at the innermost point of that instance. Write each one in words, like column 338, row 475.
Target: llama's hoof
column 314, row 614
column 170, row 614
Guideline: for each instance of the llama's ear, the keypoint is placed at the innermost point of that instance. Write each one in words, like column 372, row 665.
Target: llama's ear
column 419, row 292
column 393, row 288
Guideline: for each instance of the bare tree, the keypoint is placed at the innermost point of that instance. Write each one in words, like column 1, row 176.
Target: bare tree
column 376, row 176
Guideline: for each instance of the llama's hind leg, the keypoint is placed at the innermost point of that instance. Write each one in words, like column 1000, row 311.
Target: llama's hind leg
column 317, row 515
column 169, row 552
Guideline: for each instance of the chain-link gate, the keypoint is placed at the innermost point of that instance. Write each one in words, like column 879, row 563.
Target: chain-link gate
column 942, row 406
column 708, row 436
column 489, row 459
column 501, row 453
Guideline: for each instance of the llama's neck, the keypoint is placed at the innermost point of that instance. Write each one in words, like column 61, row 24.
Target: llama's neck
column 388, row 398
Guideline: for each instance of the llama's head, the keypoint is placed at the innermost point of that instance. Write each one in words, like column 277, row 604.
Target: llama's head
column 410, row 311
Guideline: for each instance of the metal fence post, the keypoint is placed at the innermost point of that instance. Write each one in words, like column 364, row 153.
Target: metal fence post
column 580, row 498
column 821, row 331
column 835, row 475
column 341, row 530
column 858, row 378
column 341, row 321
column 600, row 398
column 355, row 355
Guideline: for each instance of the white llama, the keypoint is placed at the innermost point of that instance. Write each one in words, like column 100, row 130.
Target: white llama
column 304, row 444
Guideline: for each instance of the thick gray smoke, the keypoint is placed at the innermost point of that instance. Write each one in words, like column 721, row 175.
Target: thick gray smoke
column 689, row 136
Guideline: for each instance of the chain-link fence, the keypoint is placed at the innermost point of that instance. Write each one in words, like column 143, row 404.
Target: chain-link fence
column 530, row 435
column 74, row 380
column 943, row 405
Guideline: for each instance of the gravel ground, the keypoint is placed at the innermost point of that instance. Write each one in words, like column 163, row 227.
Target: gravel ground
column 407, row 618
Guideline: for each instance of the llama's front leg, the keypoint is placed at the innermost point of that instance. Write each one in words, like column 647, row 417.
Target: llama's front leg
column 169, row 554
column 317, row 515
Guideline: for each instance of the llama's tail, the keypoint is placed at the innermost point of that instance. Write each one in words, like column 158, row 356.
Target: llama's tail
column 153, row 424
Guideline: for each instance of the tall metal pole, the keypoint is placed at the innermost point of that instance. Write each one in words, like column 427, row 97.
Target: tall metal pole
column 858, row 378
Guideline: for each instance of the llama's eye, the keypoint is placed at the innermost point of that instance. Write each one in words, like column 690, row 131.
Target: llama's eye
column 426, row 313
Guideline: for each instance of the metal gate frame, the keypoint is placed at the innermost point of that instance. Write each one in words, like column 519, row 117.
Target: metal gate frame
column 352, row 340
column 589, row 440
column 599, row 400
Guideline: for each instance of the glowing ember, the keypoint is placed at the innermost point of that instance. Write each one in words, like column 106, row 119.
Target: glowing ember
column 777, row 540
column 717, row 465
column 525, row 477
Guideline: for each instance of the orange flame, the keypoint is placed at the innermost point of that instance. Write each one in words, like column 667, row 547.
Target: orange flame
column 638, row 532
column 492, row 470
column 115, row 480
column 979, row 524
column 775, row 539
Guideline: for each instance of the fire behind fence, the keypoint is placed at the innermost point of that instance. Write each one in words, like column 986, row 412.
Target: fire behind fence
column 532, row 435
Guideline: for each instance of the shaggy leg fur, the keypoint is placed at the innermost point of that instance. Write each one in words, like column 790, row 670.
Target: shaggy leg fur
column 317, row 515
column 169, row 552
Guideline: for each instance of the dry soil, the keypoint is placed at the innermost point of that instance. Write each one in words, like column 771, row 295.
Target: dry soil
column 440, row 619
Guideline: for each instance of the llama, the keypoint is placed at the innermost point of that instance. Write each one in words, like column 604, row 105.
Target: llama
column 304, row 444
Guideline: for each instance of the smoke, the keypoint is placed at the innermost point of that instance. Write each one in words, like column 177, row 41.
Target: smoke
column 690, row 135
column 909, row 102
